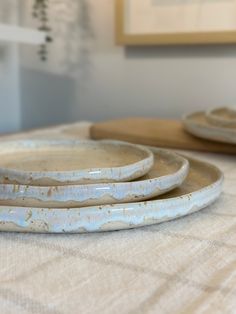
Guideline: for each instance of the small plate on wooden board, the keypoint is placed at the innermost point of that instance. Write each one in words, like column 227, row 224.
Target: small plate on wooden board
column 201, row 188
column 168, row 172
column 198, row 125
column 156, row 132
column 222, row 117
column 66, row 162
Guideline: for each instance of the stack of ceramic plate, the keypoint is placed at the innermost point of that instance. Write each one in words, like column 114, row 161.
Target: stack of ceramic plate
column 217, row 124
column 85, row 186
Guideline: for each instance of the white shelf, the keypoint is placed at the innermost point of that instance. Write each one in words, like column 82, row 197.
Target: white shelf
column 22, row 35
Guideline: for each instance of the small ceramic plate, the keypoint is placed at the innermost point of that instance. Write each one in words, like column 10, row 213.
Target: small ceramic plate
column 202, row 187
column 63, row 162
column 198, row 125
column 222, row 117
column 168, row 172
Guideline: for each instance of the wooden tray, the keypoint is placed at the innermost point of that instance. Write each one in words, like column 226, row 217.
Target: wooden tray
column 156, row 132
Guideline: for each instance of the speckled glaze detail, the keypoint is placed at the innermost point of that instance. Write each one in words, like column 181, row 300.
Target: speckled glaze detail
column 222, row 117
column 202, row 187
column 168, row 172
column 63, row 162
column 198, row 125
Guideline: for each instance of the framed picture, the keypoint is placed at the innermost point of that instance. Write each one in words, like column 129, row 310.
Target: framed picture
column 168, row 22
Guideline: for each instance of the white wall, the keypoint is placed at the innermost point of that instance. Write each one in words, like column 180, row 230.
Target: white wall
column 49, row 89
column 10, row 113
column 89, row 77
column 151, row 81
column 35, row 93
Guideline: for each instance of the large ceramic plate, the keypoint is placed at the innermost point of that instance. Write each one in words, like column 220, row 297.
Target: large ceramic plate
column 222, row 117
column 201, row 188
column 63, row 162
column 198, row 125
column 168, row 172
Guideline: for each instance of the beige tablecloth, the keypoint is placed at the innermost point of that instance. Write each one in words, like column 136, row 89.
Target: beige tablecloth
column 183, row 266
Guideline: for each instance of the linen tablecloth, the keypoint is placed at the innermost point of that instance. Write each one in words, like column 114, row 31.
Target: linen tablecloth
column 184, row 266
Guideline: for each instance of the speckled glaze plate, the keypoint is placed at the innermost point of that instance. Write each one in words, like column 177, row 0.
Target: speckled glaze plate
column 202, row 187
column 198, row 125
column 222, row 117
column 168, row 172
column 66, row 162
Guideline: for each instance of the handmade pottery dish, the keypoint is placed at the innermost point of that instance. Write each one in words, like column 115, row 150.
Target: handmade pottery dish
column 222, row 117
column 198, row 125
column 66, row 162
column 168, row 172
column 202, row 186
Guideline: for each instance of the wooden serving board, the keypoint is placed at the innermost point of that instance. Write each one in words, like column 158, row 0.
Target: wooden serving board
column 156, row 132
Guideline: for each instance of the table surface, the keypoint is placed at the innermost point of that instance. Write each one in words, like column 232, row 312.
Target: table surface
column 184, row 266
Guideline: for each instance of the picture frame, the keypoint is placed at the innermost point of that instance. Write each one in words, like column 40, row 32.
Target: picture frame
column 222, row 34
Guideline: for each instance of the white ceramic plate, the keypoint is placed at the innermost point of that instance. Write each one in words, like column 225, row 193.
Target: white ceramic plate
column 202, row 187
column 198, row 125
column 168, row 172
column 63, row 162
column 222, row 117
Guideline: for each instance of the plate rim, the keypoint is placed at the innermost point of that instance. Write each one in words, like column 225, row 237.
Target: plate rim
column 44, row 193
column 217, row 133
column 134, row 214
column 116, row 174
column 218, row 120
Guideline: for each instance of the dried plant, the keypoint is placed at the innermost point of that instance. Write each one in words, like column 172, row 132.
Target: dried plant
column 40, row 12
column 68, row 24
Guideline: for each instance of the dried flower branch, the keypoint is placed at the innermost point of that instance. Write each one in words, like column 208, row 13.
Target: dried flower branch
column 40, row 12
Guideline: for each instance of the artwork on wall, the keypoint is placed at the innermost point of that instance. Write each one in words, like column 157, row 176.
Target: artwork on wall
column 166, row 22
